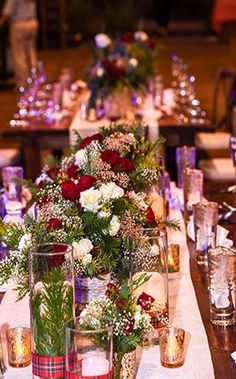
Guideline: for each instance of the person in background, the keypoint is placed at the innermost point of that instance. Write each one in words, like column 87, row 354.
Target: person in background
column 23, row 35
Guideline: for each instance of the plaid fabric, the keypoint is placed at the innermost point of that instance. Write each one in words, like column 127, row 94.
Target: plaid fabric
column 77, row 376
column 48, row 367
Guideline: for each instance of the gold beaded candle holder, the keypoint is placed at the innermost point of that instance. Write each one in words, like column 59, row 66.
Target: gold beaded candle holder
column 19, row 346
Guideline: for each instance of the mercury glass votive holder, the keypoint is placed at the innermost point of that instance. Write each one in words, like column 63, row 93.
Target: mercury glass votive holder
column 193, row 190
column 171, row 342
column 19, row 346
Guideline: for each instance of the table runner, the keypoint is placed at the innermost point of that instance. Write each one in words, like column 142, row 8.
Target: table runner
column 183, row 311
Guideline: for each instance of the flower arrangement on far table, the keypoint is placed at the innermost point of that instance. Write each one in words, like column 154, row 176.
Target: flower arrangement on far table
column 125, row 62
column 131, row 324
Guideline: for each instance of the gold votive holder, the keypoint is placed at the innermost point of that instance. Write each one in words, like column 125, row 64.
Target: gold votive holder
column 171, row 342
column 2, row 360
column 19, row 345
column 173, row 258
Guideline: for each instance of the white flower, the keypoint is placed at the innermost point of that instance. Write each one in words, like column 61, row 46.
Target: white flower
column 87, row 258
column 81, row 157
column 104, row 214
column 140, row 36
column 100, row 72
column 25, row 242
column 90, row 200
column 43, row 178
column 114, row 226
column 133, row 62
column 102, row 40
column 82, row 248
column 111, row 191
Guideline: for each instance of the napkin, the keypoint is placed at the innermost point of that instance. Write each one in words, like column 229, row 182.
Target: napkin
column 221, row 234
column 233, row 355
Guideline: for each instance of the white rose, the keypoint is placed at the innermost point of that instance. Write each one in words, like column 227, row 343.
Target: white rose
column 102, row 40
column 87, row 258
column 82, row 248
column 133, row 62
column 25, row 242
column 111, row 191
column 43, row 178
column 81, row 157
column 90, row 200
column 100, row 72
column 114, row 226
column 140, row 36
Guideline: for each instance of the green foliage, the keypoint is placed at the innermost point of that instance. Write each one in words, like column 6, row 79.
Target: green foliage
column 52, row 308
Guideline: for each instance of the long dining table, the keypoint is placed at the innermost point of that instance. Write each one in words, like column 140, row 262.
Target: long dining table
column 210, row 347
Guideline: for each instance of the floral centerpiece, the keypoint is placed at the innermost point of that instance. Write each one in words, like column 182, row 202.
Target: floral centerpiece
column 125, row 63
column 130, row 323
column 88, row 200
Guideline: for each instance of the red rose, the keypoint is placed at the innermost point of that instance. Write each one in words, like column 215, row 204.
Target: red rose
column 111, row 157
column 126, row 164
column 54, row 223
column 145, row 301
column 150, row 43
column 52, row 172
column 72, row 171
column 127, row 37
column 129, row 326
column 112, row 67
column 58, row 259
column 150, row 216
column 86, row 141
column 70, row 191
column 86, row 182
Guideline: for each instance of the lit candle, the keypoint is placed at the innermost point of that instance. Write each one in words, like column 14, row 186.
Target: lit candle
column 94, row 366
column 173, row 258
column 19, row 346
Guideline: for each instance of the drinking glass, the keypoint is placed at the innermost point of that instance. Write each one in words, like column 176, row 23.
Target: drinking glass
column 222, row 285
column 148, row 254
column 205, row 218
column 12, row 178
column 193, row 190
column 185, row 157
column 172, row 347
column 89, row 353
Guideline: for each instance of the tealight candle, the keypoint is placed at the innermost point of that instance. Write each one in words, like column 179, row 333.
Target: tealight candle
column 19, row 346
column 172, row 347
column 94, row 366
column 173, row 258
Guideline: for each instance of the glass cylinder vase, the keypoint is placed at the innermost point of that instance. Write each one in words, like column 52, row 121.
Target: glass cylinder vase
column 51, row 305
column 149, row 255
column 89, row 353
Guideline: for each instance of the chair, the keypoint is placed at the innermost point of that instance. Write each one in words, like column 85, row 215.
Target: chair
column 213, row 148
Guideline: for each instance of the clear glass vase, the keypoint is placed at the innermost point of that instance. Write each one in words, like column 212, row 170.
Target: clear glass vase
column 89, row 353
column 148, row 255
column 51, row 305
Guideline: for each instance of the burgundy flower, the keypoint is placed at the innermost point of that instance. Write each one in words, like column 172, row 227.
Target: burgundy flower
column 126, row 164
column 52, row 172
column 150, row 216
column 127, row 37
column 70, row 190
column 145, row 301
column 129, row 326
column 112, row 67
column 112, row 291
column 72, row 171
column 58, row 260
column 111, row 157
column 86, row 141
column 150, row 43
column 85, row 182
column 54, row 223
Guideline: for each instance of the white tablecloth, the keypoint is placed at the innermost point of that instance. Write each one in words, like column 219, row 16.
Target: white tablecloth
column 184, row 313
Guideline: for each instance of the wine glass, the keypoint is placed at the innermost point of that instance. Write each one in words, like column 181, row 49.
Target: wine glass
column 232, row 149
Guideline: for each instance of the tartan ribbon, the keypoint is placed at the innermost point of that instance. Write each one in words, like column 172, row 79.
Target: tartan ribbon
column 48, row 367
column 70, row 375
